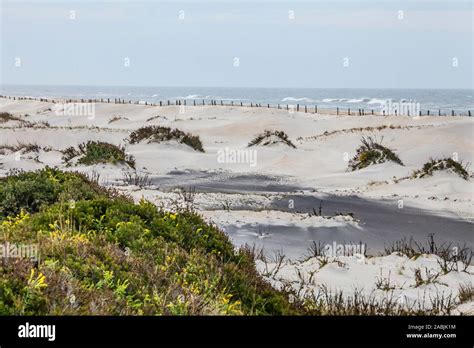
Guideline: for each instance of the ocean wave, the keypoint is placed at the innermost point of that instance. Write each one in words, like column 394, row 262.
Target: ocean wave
column 228, row 99
column 354, row 100
column 207, row 97
column 361, row 100
column 377, row 101
column 190, row 96
column 339, row 100
column 303, row 99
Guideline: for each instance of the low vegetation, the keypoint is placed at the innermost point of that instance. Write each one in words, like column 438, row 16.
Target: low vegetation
column 23, row 147
column 334, row 302
column 451, row 257
column 271, row 137
column 117, row 118
column 160, row 134
column 102, row 254
column 360, row 130
column 6, row 116
column 372, row 152
column 136, row 178
column 466, row 293
column 94, row 152
column 434, row 165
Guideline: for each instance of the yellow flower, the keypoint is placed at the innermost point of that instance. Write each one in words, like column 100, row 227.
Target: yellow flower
column 37, row 282
column 12, row 221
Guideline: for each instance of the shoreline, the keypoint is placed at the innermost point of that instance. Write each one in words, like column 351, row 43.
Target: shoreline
column 293, row 107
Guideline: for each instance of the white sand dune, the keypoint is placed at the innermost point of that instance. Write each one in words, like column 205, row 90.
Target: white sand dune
column 318, row 165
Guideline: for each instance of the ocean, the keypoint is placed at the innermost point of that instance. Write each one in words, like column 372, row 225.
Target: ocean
column 459, row 100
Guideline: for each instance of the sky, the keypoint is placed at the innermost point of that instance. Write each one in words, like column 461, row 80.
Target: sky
column 321, row 44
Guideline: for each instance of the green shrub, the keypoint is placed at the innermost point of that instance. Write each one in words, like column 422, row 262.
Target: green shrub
column 30, row 190
column 102, row 254
column 94, row 152
column 372, row 152
column 159, row 134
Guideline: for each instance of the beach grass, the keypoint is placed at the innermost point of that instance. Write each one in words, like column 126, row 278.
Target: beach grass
column 271, row 137
column 372, row 152
column 94, row 152
column 160, row 134
column 434, row 165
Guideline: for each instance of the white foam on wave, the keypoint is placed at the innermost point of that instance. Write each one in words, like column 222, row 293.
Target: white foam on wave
column 377, row 101
column 361, row 100
column 304, row 99
column 331, row 100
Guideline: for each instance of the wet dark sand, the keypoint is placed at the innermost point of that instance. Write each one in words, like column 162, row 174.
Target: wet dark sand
column 223, row 182
column 381, row 221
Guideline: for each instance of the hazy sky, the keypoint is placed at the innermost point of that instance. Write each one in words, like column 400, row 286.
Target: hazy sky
column 353, row 43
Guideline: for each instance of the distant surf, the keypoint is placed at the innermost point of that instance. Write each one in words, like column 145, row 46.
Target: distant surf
column 429, row 99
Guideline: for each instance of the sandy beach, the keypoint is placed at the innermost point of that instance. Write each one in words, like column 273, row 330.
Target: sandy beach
column 278, row 197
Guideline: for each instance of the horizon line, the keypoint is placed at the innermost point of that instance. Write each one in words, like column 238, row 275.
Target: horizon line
column 229, row 87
